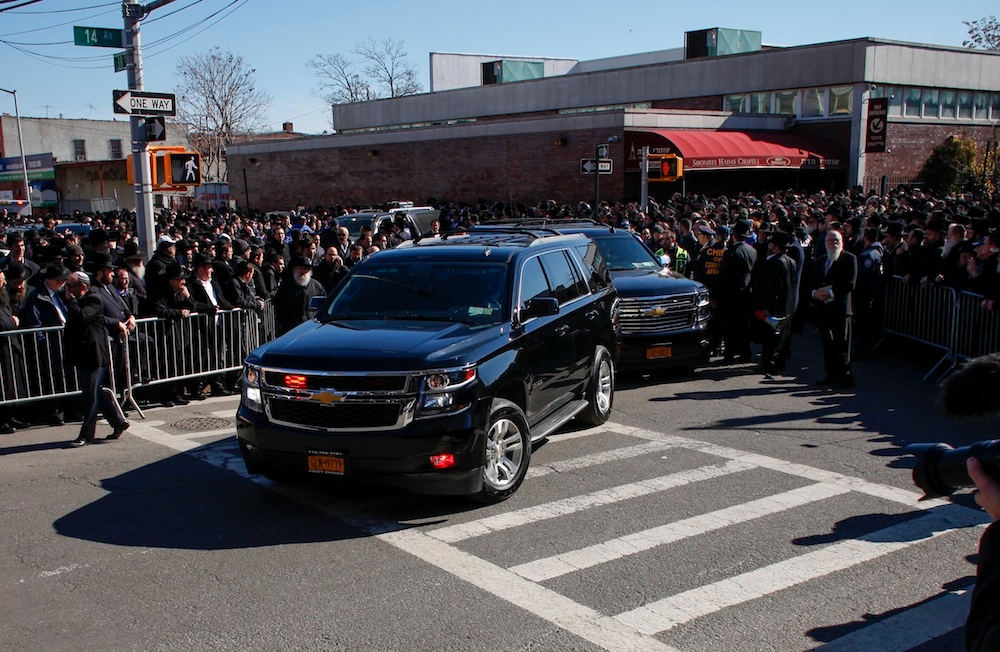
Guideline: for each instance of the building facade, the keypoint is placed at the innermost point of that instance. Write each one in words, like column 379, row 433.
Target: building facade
column 770, row 117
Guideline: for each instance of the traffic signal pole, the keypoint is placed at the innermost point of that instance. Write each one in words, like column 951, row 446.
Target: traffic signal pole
column 133, row 13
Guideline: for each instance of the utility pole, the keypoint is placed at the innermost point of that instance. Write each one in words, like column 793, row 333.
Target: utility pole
column 133, row 13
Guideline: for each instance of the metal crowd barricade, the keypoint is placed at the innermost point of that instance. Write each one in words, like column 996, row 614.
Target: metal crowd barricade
column 922, row 313
column 978, row 331
column 159, row 351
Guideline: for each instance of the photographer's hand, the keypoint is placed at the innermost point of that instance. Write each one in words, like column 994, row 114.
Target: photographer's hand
column 988, row 495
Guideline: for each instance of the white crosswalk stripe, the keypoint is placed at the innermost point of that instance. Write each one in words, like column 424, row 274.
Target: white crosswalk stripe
column 638, row 628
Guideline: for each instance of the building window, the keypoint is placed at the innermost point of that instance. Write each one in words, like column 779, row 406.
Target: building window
column 760, row 102
column 115, row 149
column 964, row 100
column 895, row 100
column 786, row 102
column 79, row 150
column 734, row 103
column 812, row 102
column 981, row 106
column 841, row 100
column 995, row 101
column 911, row 107
column 930, row 99
column 948, row 99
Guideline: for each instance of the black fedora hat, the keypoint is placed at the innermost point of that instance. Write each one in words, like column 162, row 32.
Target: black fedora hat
column 174, row 272
column 100, row 260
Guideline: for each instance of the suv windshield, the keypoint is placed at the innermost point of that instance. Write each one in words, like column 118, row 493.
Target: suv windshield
column 622, row 254
column 440, row 290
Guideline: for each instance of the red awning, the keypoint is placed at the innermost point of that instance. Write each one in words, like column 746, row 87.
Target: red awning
column 726, row 150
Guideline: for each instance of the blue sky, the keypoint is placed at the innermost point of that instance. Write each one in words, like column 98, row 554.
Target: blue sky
column 53, row 77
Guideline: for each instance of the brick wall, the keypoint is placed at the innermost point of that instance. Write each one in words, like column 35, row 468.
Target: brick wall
column 513, row 169
column 910, row 144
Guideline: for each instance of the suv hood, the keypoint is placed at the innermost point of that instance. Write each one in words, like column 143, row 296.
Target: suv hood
column 363, row 345
column 643, row 283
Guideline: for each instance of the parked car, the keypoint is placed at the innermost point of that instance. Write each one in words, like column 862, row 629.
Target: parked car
column 435, row 367
column 664, row 315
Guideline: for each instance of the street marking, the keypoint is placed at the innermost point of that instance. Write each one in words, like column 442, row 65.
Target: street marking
column 684, row 607
column 596, row 459
column 569, row 562
column 566, row 506
column 908, row 629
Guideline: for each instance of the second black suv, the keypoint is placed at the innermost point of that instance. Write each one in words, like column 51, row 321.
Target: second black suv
column 664, row 315
column 435, row 366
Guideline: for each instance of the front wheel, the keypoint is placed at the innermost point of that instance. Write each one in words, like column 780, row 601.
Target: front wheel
column 507, row 452
column 600, row 389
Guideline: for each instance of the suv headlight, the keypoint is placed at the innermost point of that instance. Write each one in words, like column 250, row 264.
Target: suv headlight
column 252, row 398
column 704, row 312
column 440, row 391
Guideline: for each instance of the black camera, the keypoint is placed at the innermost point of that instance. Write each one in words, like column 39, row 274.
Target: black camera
column 940, row 469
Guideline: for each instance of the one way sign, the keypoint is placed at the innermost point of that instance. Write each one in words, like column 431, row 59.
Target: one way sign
column 603, row 166
column 143, row 103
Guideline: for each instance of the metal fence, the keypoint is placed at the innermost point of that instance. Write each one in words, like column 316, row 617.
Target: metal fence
column 157, row 352
column 942, row 318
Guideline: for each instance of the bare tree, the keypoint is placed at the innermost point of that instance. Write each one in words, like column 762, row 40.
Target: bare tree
column 219, row 98
column 377, row 69
column 339, row 80
column 385, row 63
column 983, row 33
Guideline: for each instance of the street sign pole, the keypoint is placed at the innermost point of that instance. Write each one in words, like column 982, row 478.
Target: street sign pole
column 597, row 180
column 133, row 12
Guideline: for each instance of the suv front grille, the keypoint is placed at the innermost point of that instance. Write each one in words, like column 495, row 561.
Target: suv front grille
column 340, row 383
column 651, row 316
column 344, row 415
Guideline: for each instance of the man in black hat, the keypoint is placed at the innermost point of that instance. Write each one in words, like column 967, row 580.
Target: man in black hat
column 735, row 299
column 45, row 307
column 13, row 383
column 291, row 301
column 894, row 250
column 87, row 350
column 17, row 285
column 209, row 298
column 119, row 321
column 163, row 257
column 774, row 303
column 869, row 294
column 133, row 260
column 932, row 251
column 172, row 303
column 18, row 252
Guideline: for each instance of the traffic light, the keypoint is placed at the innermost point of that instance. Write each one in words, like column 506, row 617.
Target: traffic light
column 182, row 169
column 130, row 169
column 670, row 168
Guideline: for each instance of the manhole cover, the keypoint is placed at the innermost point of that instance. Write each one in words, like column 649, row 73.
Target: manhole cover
column 203, row 423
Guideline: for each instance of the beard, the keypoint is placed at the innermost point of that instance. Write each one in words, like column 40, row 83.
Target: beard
column 833, row 252
column 138, row 269
column 302, row 278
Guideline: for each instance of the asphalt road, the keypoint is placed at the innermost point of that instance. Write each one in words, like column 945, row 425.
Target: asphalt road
column 716, row 511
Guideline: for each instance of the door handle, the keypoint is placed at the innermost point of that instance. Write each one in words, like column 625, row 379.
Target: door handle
column 561, row 331
column 591, row 314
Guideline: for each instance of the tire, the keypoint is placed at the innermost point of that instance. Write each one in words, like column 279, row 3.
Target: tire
column 600, row 392
column 506, row 454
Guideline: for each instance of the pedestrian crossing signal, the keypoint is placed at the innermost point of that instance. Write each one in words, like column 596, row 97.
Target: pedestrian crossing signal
column 183, row 168
column 670, row 167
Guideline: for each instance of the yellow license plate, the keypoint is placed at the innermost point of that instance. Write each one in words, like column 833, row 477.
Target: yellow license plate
column 654, row 352
column 329, row 464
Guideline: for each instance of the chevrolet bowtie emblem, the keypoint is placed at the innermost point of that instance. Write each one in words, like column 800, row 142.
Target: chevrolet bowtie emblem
column 654, row 312
column 326, row 397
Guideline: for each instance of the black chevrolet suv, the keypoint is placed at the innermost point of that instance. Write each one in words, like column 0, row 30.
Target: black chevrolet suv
column 435, row 366
column 664, row 316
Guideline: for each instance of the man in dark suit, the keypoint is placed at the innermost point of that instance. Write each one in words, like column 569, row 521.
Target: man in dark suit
column 119, row 321
column 87, row 350
column 208, row 298
column 836, row 276
column 774, row 297
column 735, row 298
column 45, row 307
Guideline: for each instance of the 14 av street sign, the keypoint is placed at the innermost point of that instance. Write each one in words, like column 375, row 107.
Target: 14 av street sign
column 143, row 103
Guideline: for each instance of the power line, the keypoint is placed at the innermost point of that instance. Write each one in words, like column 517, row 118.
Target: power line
column 23, row 4
column 63, row 11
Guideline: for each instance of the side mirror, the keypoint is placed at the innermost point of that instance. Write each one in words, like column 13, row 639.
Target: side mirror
column 541, row 307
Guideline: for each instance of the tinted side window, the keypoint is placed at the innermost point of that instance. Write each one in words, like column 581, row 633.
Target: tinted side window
column 563, row 277
column 533, row 283
column 598, row 277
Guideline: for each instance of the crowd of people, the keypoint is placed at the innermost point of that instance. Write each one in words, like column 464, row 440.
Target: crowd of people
column 770, row 262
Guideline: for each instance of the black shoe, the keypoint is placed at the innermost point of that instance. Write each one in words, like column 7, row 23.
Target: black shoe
column 119, row 430
column 167, row 403
column 7, row 429
column 846, row 383
column 17, row 423
column 56, row 421
column 221, row 391
column 826, row 380
column 180, row 400
column 80, row 441
column 197, row 396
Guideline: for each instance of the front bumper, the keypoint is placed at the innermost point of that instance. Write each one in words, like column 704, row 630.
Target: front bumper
column 690, row 349
column 399, row 458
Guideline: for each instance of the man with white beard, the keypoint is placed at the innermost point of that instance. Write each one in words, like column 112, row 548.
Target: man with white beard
column 291, row 301
column 836, row 276
column 134, row 262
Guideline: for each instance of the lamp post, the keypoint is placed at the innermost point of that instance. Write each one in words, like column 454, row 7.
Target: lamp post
column 246, row 189
column 20, row 142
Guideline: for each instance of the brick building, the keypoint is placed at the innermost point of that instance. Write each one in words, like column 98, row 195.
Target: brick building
column 743, row 116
